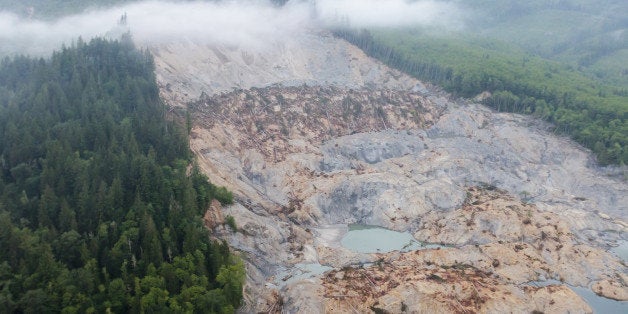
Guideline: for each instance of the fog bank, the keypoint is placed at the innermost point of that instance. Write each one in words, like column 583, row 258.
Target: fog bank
column 241, row 22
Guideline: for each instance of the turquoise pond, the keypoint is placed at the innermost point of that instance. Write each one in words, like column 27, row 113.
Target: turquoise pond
column 374, row 239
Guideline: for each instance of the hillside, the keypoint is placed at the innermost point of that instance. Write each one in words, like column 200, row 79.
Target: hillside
column 100, row 204
column 307, row 59
column 305, row 160
column 451, row 157
column 590, row 35
column 562, row 61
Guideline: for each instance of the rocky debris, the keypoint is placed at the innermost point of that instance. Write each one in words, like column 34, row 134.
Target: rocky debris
column 340, row 256
column 519, row 241
column 275, row 119
column 357, row 145
column 407, row 178
column 213, row 216
column 410, row 283
column 303, row 297
column 265, row 239
column 389, row 177
column 615, row 289
column 488, row 215
column 487, row 277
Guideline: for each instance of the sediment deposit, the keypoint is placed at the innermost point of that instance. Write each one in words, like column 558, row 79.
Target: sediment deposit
column 312, row 135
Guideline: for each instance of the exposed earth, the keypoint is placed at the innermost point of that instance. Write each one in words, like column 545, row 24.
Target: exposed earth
column 312, row 135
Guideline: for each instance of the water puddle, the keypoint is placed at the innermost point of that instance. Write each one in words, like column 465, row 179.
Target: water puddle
column 598, row 303
column 373, row 239
column 621, row 250
column 301, row 271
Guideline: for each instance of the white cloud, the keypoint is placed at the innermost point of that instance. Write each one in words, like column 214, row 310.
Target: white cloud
column 239, row 22
column 388, row 13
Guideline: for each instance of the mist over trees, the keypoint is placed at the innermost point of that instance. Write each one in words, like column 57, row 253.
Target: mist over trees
column 50, row 9
column 100, row 203
column 589, row 35
column 44, row 9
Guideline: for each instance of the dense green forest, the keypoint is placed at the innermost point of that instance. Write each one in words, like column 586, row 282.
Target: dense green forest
column 591, row 112
column 100, row 201
column 589, row 35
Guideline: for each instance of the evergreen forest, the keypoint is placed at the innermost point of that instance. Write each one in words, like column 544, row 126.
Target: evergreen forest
column 100, row 198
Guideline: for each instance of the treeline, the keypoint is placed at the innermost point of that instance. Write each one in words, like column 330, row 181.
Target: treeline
column 591, row 114
column 100, row 203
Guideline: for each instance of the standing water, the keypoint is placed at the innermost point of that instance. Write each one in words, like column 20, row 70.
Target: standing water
column 598, row 303
column 621, row 250
column 373, row 239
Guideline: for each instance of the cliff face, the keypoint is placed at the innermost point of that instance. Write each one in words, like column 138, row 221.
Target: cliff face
column 316, row 136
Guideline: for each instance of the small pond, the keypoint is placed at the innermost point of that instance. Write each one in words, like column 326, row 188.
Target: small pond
column 301, row 271
column 597, row 303
column 373, row 239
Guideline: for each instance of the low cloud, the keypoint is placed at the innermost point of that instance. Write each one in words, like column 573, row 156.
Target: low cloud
column 388, row 13
column 237, row 22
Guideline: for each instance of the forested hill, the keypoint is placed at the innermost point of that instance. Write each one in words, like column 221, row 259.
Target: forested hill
column 589, row 35
column 99, row 204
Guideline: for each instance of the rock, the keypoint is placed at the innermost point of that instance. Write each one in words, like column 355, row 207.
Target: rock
column 406, row 282
column 612, row 289
column 213, row 216
column 303, row 297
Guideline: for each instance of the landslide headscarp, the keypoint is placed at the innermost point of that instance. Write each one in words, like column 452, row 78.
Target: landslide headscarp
column 187, row 69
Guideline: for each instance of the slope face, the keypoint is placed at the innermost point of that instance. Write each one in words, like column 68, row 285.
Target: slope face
column 186, row 69
column 514, row 202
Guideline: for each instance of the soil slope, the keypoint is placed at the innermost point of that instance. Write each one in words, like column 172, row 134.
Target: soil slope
column 312, row 135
